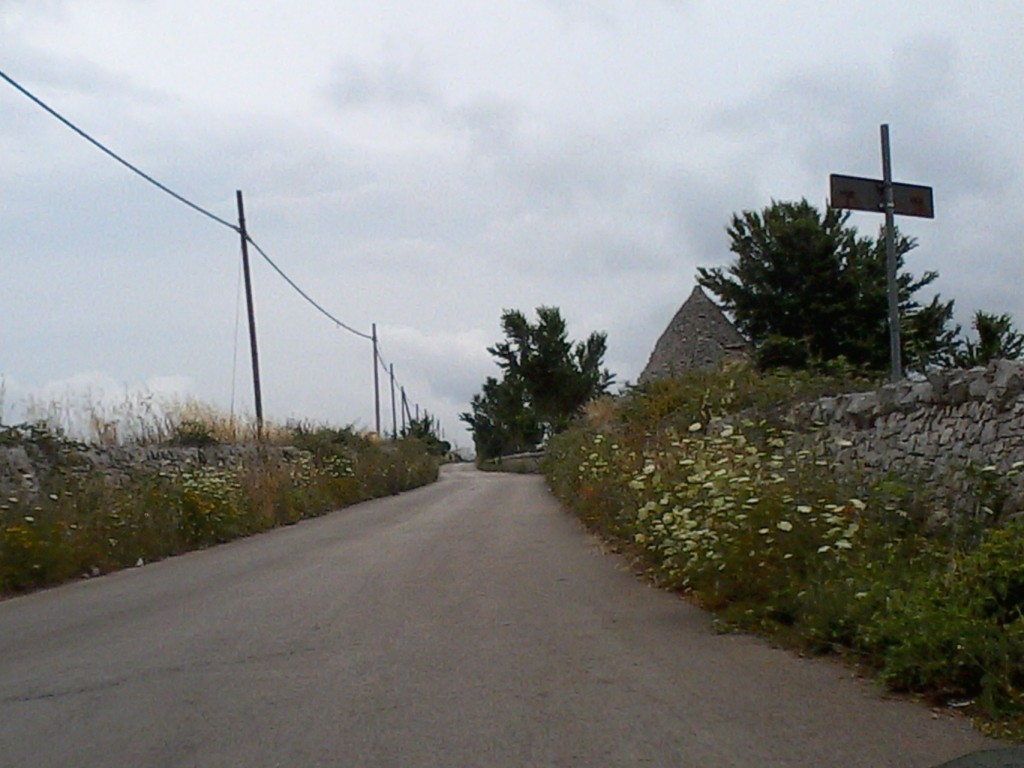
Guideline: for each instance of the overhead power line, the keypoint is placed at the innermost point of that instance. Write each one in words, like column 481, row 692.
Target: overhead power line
column 180, row 198
column 121, row 160
column 199, row 209
column 380, row 356
column 306, row 296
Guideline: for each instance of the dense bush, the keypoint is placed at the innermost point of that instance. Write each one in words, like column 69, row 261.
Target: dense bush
column 766, row 533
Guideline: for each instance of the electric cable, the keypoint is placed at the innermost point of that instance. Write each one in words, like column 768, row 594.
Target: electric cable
column 116, row 156
column 199, row 209
column 380, row 357
column 234, row 227
column 404, row 407
column 305, row 295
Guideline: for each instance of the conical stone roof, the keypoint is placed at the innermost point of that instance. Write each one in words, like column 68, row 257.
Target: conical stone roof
column 699, row 336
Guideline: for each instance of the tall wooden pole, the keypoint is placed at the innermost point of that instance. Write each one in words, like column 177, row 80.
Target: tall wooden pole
column 405, row 409
column 376, row 381
column 252, row 317
column 394, row 412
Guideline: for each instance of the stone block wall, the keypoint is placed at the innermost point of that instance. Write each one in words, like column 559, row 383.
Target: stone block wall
column 945, row 430
column 23, row 465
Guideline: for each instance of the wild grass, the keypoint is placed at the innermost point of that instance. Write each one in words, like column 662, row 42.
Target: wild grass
column 140, row 417
column 772, row 538
column 68, row 516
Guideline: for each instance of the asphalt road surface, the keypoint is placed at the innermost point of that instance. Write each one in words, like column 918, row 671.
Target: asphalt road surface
column 469, row 623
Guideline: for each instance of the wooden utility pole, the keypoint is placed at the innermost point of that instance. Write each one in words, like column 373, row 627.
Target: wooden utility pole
column 394, row 413
column 252, row 317
column 376, row 382
column 405, row 409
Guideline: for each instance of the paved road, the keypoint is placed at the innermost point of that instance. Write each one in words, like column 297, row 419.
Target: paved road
column 470, row 623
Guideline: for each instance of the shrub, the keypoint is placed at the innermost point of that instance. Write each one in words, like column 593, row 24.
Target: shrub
column 196, row 434
column 700, row 479
column 77, row 519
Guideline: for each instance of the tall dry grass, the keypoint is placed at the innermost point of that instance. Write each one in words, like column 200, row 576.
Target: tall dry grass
column 71, row 517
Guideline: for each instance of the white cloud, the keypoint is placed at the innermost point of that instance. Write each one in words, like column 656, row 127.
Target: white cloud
column 424, row 166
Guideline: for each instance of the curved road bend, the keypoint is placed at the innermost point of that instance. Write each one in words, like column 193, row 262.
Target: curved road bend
column 469, row 623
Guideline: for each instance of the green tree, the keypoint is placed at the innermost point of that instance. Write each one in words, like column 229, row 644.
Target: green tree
column 997, row 339
column 425, row 429
column 546, row 379
column 501, row 419
column 806, row 289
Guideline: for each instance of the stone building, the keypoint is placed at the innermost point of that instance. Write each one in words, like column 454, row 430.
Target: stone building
column 699, row 336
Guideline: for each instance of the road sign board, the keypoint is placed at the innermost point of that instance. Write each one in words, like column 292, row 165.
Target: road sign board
column 863, row 194
column 885, row 196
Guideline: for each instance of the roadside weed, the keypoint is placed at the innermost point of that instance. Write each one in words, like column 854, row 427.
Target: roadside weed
column 72, row 517
column 702, row 479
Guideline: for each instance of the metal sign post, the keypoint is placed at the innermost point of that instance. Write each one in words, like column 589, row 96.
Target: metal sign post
column 889, row 197
column 895, row 354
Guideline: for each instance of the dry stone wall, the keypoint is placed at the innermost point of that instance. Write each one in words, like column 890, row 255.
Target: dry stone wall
column 22, row 465
column 945, row 430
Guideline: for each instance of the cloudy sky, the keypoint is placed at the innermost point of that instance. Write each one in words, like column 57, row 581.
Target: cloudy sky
column 423, row 166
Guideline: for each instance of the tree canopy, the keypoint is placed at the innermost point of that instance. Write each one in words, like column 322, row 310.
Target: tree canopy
column 546, row 380
column 806, row 288
column 996, row 339
column 426, row 429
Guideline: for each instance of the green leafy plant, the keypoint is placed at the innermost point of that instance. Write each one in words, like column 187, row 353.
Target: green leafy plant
column 76, row 518
column 996, row 338
column 193, row 433
column 703, row 482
